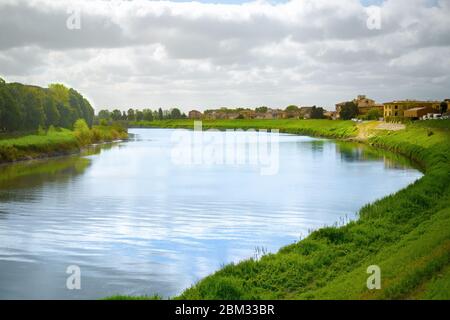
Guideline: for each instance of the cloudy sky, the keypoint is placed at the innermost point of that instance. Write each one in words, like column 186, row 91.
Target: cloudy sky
column 213, row 53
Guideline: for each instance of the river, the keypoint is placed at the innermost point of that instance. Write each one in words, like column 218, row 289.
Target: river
column 135, row 222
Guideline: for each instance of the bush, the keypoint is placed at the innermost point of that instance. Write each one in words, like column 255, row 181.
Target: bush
column 348, row 111
column 41, row 131
column 374, row 114
column 82, row 132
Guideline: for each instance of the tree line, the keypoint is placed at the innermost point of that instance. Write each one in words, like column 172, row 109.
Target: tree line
column 26, row 107
column 140, row 115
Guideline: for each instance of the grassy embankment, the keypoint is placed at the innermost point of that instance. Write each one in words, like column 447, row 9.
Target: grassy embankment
column 406, row 234
column 323, row 128
column 54, row 142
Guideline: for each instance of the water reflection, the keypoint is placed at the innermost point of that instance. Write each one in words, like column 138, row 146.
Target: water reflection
column 351, row 152
column 138, row 224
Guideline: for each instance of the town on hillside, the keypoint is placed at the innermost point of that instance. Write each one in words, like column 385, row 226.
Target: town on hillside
column 360, row 108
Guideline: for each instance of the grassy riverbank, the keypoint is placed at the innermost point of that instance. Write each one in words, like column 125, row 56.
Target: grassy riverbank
column 323, row 128
column 406, row 234
column 54, row 142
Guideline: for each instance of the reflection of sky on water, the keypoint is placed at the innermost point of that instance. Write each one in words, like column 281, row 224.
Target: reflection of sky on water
column 138, row 224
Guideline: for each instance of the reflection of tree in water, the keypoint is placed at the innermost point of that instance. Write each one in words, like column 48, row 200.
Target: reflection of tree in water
column 315, row 145
column 29, row 175
column 34, row 174
column 98, row 148
column 352, row 152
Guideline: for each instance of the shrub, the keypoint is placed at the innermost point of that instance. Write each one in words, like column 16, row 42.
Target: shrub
column 82, row 132
column 41, row 131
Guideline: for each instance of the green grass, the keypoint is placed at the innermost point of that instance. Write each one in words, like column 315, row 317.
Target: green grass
column 406, row 234
column 323, row 128
column 53, row 143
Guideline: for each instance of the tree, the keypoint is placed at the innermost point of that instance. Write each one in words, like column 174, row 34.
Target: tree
column 82, row 132
column 316, row 113
column 26, row 107
column 262, row 109
column 10, row 117
column 139, row 115
column 52, row 115
column 374, row 114
column 148, row 114
column 116, row 115
column 104, row 114
column 131, row 116
column 175, row 113
column 34, row 115
column 444, row 107
column 60, row 94
column 348, row 111
column 160, row 114
column 291, row 108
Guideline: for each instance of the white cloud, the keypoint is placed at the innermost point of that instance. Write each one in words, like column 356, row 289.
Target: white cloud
column 151, row 53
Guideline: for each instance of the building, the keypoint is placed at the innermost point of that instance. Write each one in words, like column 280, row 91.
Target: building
column 417, row 113
column 363, row 103
column 397, row 108
column 330, row 115
column 275, row 114
column 305, row 112
column 194, row 114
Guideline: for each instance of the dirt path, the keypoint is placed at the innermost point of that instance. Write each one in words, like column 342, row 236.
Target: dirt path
column 366, row 129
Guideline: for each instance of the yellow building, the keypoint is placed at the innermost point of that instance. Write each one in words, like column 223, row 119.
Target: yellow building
column 397, row 108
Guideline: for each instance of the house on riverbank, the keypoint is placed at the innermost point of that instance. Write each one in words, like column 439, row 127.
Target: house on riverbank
column 398, row 108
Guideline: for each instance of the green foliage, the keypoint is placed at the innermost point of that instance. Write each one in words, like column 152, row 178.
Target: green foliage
column 317, row 113
column 131, row 116
column 116, row 115
column 104, row 115
column 82, row 132
column 291, row 108
column 41, row 131
column 175, row 113
column 139, row 115
column 374, row 114
column 444, row 107
column 26, row 107
column 262, row 109
column 148, row 115
column 57, row 141
column 348, row 111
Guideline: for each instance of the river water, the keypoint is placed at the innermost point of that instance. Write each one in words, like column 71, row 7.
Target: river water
column 135, row 221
